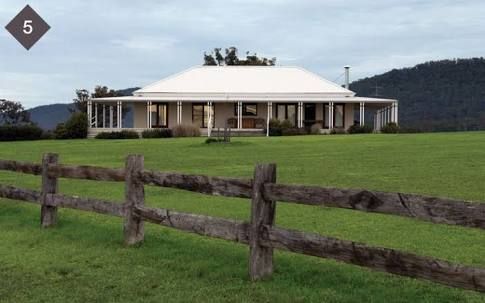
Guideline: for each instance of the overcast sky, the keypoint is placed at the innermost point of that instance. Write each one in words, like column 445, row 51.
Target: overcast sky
column 133, row 43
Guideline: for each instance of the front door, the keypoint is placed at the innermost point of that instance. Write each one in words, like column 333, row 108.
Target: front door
column 310, row 114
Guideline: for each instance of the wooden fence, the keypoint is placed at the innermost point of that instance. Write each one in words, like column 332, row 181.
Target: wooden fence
column 260, row 233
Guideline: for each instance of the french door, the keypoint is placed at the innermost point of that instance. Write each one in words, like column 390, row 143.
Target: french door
column 159, row 112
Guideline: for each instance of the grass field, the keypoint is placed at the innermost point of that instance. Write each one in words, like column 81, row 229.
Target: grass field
column 82, row 260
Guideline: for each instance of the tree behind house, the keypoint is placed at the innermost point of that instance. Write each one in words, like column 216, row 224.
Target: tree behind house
column 231, row 58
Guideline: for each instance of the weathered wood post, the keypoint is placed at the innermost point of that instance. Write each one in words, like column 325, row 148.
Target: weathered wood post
column 48, row 214
column 133, row 228
column 262, row 213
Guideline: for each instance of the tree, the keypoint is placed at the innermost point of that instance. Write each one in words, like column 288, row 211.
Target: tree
column 82, row 96
column 103, row 91
column 81, row 101
column 12, row 112
column 231, row 58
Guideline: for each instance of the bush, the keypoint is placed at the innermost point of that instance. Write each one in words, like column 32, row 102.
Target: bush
column 286, row 124
column 74, row 128
column 214, row 140
column 337, row 131
column 20, row 132
column 157, row 133
column 284, row 128
column 315, row 129
column 186, row 130
column 390, row 128
column 357, row 129
column 124, row 134
column 293, row 131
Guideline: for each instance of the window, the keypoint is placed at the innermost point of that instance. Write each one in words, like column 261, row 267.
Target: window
column 286, row 112
column 248, row 109
column 338, row 115
column 200, row 115
column 159, row 112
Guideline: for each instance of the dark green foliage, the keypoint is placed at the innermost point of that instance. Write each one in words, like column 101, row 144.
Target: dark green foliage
column 284, row 128
column 213, row 140
column 74, row 128
column 20, row 132
column 12, row 112
column 293, row 131
column 124, row 134
column 157, row 133
column 357, row 129
column 390, row 128
column 337, row 131
column 232, row 58
column 443, row 95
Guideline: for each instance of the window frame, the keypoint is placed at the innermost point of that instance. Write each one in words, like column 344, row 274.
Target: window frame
column 286, row 111
column 204, row 116
column 157, row 120
column 244, row 112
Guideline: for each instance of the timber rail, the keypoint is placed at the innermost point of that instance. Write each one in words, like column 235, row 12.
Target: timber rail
column 259, row 232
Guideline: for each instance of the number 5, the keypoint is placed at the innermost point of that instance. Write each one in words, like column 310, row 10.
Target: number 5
column 28, row 27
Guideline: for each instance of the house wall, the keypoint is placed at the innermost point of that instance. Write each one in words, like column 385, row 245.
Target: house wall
column 139, row 115
column 223, row 111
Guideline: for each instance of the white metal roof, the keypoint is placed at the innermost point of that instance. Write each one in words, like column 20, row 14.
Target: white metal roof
column 245, row 83
column 245, row 80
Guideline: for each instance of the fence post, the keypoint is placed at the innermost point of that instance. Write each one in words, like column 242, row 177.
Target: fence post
column 262, row 213
column 133, row 228
column 48, row 214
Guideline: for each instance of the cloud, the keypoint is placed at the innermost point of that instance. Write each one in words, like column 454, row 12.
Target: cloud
column 125, row 43
column 146, row 43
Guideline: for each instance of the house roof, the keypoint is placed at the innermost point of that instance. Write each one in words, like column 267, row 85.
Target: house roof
column 244, row 80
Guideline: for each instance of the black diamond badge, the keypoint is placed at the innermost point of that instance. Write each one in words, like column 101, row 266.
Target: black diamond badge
column 27, row 27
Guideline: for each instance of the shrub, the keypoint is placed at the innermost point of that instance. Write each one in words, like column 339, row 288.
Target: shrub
column 20, row 132
column 157, row 133
column 125, row 134
column 315, row 128
column 74, row 128
column 357, row 129
column 390, row 128
column 286, row 124
column 214, row 140
column 186, row 130
column 293, row 131
column 337, row 131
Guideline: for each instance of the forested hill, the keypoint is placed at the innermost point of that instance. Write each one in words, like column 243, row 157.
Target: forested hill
column 434, row 96
column 48, row 116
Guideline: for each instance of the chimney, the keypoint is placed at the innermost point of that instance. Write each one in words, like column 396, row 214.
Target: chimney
column 347, row 76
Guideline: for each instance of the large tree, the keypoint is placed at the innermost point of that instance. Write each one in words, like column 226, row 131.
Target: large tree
column 12, row 112
column 231, row 58
column 82, row 96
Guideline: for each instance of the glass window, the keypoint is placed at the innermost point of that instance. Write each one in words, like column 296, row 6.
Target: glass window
column 200, row 115
column 159, row 115
column 248, row 109
column 281, row 112
column 291, row 114
column 339, row 115
column 326, row 118
column 286, row 112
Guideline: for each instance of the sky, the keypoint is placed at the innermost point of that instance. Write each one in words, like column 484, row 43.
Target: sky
column 124, row 43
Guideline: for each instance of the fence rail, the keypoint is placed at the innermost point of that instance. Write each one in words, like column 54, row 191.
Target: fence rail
column 259, row 233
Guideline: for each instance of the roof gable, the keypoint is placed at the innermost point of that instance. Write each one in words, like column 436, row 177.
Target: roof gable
column 244, row 80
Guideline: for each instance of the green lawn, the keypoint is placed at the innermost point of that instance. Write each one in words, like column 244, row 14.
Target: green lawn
column 82, row 260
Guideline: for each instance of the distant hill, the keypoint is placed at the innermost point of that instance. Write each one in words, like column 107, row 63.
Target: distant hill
column 434, row 96
column 48, row 116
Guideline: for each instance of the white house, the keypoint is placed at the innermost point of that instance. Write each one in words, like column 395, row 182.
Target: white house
column 243, row 98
